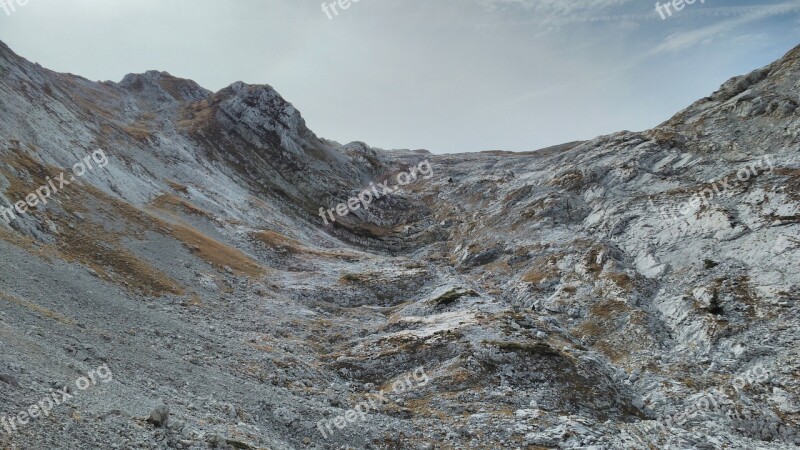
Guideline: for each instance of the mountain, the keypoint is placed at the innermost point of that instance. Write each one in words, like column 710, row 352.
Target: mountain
column 189, row 269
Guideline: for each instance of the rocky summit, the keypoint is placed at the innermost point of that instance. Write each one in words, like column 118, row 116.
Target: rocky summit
column 187, row 269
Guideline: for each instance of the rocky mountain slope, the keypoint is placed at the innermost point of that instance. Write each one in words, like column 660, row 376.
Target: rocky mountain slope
column 638, row 290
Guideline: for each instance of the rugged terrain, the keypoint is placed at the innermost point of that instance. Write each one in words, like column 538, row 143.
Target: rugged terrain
column 570, row 297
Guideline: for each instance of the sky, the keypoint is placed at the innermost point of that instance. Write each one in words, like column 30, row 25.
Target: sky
column 448, row 76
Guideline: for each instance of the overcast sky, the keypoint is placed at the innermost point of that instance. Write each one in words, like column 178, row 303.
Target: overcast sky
column 443, row 75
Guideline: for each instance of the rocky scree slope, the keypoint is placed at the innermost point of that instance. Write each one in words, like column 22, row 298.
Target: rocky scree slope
column 572, row 297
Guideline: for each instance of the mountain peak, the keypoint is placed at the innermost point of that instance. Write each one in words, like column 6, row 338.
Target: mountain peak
column 264, row 286
column 180, row 89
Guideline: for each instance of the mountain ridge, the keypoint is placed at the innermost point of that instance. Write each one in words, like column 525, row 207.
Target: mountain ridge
column 549, row 299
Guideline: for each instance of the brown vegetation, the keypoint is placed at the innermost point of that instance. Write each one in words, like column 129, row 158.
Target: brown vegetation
column 217, row 253
column 44, row 312
column 171, row 203
column 544, row 268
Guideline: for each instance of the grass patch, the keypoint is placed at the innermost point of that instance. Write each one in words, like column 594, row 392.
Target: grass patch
column 355, row 278
column 171, row 203
column 288, row 246
column 100, row 250
column 536, row 348
column 91, row 244
column 178, row 187
column 279, row 242
column 216, row 253
column 138, row 132
column 571, row 180
column 602, row 328
column 42, row 311
column 621, row 279
column 452, row 295
column 544, row 269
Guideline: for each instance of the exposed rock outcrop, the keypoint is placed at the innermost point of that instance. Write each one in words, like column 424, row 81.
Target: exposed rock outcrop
column 589, row 295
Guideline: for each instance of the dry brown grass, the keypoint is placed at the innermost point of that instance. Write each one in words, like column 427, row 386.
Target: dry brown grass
column 195, row 300
column 92, row 108
column 528, row 348
column 591, row 259
column 536, row 276
column 622, row 280
column 24, row 242
column 141, row 130
column 423, row 408
column 744, row 293
column 602, row 327
column 173, row 86
column 570, row 180
column 217, row 253
column 93, row 246
column 178, row 187
column 664, row 136
column 613, row 352
column 589, row 329
column 544, row 269
column 137, row 132
column 90, row 244
column 356, row 278
column 610, row 309
column 210, row 250
column 42, row 311
column 286, row 245
column 173, row 204
column 278, row 241
column 22, row 162
column 196, row 116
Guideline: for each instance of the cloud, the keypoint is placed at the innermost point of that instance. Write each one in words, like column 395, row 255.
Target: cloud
column 686, row 39
column 553, row 15
column 556, row 7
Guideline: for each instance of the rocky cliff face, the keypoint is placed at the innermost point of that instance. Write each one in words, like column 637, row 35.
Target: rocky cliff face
column 638, row 290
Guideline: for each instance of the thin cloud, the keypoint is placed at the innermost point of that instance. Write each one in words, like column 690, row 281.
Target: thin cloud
column 686, row 39
column 557, row 7
column 551, row 15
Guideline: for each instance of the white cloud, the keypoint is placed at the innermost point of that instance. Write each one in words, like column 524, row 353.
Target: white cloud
column 552, row 15
column 558, row 7
column 687, row 39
